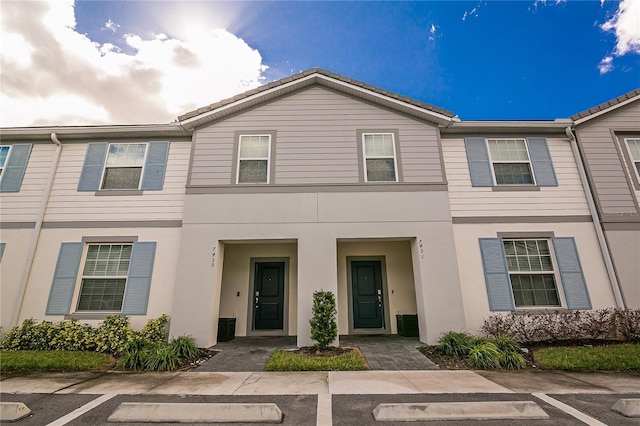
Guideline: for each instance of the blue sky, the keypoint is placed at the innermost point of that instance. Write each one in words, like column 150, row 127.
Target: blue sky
column 148, row 62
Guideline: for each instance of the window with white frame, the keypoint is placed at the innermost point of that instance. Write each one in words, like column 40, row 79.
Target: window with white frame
column 253, row 159
column 634, row 151
column 124, row 165
column 531, row 271
column 4, row 154
column 511, row 163
column 379, row 157
column 104, row 277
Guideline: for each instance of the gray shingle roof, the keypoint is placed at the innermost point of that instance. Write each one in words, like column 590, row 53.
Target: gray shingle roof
column 605, row 105
column 307, row 73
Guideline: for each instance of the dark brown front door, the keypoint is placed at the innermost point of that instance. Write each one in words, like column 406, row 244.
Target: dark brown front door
column 268, row 296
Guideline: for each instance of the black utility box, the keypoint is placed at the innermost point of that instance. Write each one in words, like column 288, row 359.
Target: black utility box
column 226, row 329
column 407, row 325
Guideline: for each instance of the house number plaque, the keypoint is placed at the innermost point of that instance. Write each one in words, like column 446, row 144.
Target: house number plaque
column 213, row 257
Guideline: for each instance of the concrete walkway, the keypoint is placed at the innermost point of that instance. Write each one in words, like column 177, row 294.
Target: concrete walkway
column 383, row 352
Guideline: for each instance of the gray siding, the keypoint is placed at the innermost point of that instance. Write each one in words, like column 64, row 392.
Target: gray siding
column 615, row 196
column 316, row 141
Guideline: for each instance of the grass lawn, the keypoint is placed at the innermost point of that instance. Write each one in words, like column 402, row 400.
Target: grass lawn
column 282, row 360
column 53, row 360
column 623, row 357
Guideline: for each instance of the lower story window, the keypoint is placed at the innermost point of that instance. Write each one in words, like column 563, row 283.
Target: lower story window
column 531, row 272
column 104, row 277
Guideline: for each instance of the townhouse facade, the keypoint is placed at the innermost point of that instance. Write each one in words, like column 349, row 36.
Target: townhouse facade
column 242, row 209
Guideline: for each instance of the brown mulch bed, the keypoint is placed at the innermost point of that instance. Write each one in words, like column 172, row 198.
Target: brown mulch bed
column 203, row 356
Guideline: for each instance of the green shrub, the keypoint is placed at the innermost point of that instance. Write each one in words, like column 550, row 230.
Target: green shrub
column 74, row 336
column 455, row 344
column 161, row 357
column 512, row 360
column 506, row 344
column 113, row 334
column 184, row 347
column 155, row 330
column 134, row 355
column 484, row 355
column 323, row 322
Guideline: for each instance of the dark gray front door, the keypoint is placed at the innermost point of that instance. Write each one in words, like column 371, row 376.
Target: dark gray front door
column 268, row 296
column 366, row 281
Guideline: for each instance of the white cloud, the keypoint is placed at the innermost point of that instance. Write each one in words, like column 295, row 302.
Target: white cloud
column 472, row 12
column 52, row 75
column 111, row 26
column 432, row 32
column 626, row 26
column 606, row 64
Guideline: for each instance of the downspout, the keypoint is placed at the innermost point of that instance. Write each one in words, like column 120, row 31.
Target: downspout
column 33, row 244
column 604, row 247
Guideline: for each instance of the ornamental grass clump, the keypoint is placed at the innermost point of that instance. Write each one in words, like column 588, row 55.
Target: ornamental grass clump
column 482, row 352
column 455, row 344
column 323, row 322
column 484, row 355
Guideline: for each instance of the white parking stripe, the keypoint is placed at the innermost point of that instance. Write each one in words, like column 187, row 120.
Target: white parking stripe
column 81, row 410
column 324, row 415
column 569, row 410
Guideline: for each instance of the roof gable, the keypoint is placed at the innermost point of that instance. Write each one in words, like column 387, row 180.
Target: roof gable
column 606, row 107
column 308, row 78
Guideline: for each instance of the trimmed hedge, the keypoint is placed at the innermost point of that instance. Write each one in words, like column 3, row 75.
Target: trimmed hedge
column 557, row 326
column 111, row 336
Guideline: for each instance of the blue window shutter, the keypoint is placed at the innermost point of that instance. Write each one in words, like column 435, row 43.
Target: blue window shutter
column 155, row 166
column 2, row 246
column 479, row 164
column 64, row 279
column 14, row 168
column 92, row 167
column 496, row 274
column 573, row 282
column 541, row 162
column 136, row 294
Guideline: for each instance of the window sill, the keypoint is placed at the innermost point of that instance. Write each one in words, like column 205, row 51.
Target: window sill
column 508, row 188
column 90, row 315
column 111, row 192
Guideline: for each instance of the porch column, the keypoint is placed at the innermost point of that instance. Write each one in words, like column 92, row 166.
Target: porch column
column 196, row 301
column 437, row 281
column 317, row 270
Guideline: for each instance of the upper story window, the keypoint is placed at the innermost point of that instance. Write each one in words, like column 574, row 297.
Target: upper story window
column 253, row 159
column 510, row 159
column 123, row 168
column 132, row 167
column 104, row 277
column 379, row 157
column 4, row 153
column 510, row 163
column 634, row 151
column 531, row 272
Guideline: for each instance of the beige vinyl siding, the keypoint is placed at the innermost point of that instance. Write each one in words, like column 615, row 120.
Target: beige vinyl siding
column 610, row 177
column 316, row 140
column 23, row 206
column 566, row 199
column 67, row 204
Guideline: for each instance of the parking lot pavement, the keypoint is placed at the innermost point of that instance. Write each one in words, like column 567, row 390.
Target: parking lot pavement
column 599, row 406
column 46, row 408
